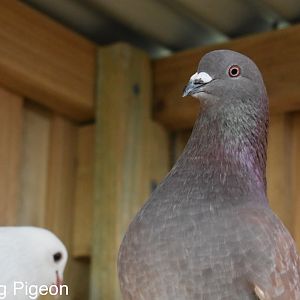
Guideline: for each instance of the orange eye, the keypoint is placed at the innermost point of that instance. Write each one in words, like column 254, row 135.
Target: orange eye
column 234, row 71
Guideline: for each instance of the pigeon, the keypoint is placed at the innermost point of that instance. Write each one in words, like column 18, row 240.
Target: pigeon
column 30, row 258
column 207, row 231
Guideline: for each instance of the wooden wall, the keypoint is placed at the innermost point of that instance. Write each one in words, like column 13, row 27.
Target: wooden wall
column 49, row 154
column 48, row 138
column 47, row 76
column 80, row 150
column 38, row 156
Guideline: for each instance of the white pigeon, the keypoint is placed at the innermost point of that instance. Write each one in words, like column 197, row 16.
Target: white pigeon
column 30, row 258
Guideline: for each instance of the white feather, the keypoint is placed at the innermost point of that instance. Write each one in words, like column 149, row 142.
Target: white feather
column 26, row 255
column 202, row 76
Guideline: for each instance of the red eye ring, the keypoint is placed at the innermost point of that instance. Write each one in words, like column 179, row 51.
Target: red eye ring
column 234, row 71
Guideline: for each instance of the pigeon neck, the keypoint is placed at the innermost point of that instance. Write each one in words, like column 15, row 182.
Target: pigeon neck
column 228, row 149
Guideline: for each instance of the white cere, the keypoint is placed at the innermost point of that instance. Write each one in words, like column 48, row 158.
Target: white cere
column 203, row 76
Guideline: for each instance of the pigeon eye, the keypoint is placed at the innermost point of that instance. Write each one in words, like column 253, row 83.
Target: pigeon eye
column 57, row 257
column 234, row 71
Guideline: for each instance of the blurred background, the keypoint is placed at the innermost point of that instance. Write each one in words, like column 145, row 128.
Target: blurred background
column 91, row 114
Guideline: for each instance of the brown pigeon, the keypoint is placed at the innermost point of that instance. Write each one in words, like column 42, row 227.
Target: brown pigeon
column 207, row 231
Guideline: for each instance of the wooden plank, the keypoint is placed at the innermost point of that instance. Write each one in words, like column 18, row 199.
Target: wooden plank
column 279, row 168
column 83, row 203
column 61, row 177
column 59, row 217
column 131, row 157
column 34, row 171
column 278, row 63
column 46, row 62
column 10, row 154
column 295, row 172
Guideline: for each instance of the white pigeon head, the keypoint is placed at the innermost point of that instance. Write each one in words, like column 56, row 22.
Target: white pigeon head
column 32, row 255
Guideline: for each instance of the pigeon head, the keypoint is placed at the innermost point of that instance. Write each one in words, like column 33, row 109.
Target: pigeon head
column 50, row 254
column 227, row 78
column 33, row 255
column 233, row 122
column 53, row 256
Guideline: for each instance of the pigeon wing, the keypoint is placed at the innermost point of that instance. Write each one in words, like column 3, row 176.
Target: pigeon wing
column 275, row 271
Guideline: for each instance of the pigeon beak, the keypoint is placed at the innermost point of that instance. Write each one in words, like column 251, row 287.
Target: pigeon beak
column 197, row 81
column 191, row 88
column 58, row 284
column 59, row 280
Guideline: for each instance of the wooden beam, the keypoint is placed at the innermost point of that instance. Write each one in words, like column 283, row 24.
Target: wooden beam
column 44, row 61
column 11, row 120
column 276, row 53
column 83, row 202
column 131, row 157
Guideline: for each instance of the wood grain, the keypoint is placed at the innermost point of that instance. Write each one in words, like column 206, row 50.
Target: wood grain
column 83, row 202
column 276, row 53
column 59, row 217
column 46, row 62
column 34, row 172
column 279, row 179
column 10, row 155
column 131, row 157
column 61, row 177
